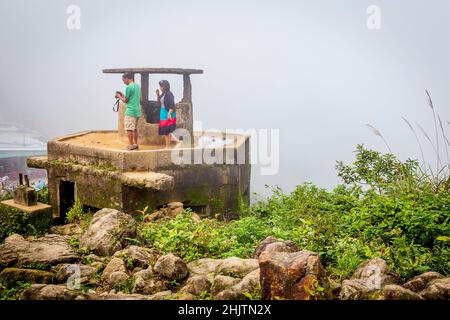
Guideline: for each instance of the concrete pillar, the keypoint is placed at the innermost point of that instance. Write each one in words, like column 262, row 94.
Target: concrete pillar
column 187, row 88
column 144, row 87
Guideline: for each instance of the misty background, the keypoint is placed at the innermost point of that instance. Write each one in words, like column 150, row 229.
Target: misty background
column 309, row 68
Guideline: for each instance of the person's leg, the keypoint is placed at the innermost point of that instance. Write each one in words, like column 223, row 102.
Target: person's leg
column 130, row 136
column 167, row 138
column 175, row 139
column 129, row 127
column 135, row 136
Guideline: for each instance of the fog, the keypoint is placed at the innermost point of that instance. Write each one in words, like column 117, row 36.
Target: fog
column 312, row 69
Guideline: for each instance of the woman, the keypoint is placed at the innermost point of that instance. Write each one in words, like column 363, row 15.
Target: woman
column 167, row 116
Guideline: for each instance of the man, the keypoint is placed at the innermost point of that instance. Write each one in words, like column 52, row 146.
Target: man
column 132, row 98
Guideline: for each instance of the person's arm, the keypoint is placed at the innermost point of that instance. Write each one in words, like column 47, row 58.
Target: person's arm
column 120, row 96
column 171, row 106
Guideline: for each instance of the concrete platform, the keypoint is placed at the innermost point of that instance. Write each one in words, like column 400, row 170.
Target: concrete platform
column 29, row 209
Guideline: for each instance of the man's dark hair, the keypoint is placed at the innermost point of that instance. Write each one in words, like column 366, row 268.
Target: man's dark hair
column 128, row 75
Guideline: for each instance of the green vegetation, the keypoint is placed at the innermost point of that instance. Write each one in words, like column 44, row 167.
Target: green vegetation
column 78, row 214
column 385, row 208
column 15, row 221
column 14, row 293
column 37, row 266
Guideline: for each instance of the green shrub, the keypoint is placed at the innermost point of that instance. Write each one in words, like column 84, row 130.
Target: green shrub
column 77, row 213
column 400, row 219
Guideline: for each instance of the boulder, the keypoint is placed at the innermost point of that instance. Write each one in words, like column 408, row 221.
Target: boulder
column 154, row 216
column 118, row 278
column 421, row 281
column 171, row 267
column 222, row 282
column 197, row 284
column 376, row 272
column 438, row 289
column 115, row 265
column 146, row 282
column 396, row 292
column 174, row 209
column 90, row 258
column 10, row 276
column 117, row 296
column 274, row 245
column 356, row 289
column 137, row 256
column 163, row 295
column 237, row 267
column 368, row 280
column 71, row 229
column 49, row 292
column 107, row 232
column 65, row 270
column 50, row 249
column 248, row 285
column 204, row 266
column 292, row 275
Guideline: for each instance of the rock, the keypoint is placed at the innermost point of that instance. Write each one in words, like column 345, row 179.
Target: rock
column 438, row 289
column 237, row 267
column 66, row 270
column 146, row 282
column 375, row 271
column 163, row 295
column 50, row 250
column 92, row 258
column 421, row 281
column 136, row 270
column 174, row 209
column 357, row 289
column 107, row 231
column 184, row 296
column 197, row 285
column 248, row 285
column 274, row 245
column 118, row 278
column 115, row 265
column 67, row 229
column 49, row 292
column 195, row 217
column 295, row 275
column 204, row 266
column 10, row 276
column 117, row 296
column 396, row 292
column 222, row 282
column 155, row 216
column 171, row 267
column 137, row 256
column 368, row 280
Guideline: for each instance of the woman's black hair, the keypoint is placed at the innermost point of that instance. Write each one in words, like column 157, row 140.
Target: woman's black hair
column 165, row 85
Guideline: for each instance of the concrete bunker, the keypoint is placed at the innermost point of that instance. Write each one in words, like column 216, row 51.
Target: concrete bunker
column 92, row 166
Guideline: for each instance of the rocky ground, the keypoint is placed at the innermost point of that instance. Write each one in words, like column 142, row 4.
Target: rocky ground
column 106, row 265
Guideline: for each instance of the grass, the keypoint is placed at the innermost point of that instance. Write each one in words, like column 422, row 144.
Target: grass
column 400, row 218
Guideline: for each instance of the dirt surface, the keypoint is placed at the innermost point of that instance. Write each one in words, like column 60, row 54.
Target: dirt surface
column 108, row 140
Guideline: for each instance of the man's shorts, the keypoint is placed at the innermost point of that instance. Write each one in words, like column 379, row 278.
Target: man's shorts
column 131, row 123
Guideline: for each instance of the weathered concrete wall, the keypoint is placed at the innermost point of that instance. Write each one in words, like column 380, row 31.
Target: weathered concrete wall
column 129, row 181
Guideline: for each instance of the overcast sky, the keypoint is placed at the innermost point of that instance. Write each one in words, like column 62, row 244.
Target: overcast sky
column 312, row 69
